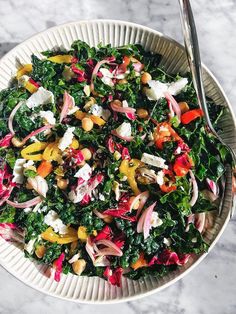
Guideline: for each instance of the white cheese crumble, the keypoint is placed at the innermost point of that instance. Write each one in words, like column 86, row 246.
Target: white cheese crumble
column 98, row 111
column 154, row 161
column 160, row 177
column 67, row 138
column 18, row 176
column 77, row 195
column 107, row 77
column 28, row 164
column 158, row 89
column 29, row 247
column 52, row 219
column 101, row 197
column 48, row 116
column 167, row 241
column 84, row 172
column 124, row 129
column 155, row 220
column 41, row 97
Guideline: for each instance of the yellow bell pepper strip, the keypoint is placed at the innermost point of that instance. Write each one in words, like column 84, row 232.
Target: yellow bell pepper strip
column 27, row 68
column 52, row 152
column 97, row 120
column 51, row 236
column 128, row 168
column 61, row 59
column 83, row 235
column 80, row 114
column 33, row 151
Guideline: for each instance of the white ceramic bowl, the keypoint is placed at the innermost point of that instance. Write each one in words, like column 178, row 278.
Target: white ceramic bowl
column 117, row 33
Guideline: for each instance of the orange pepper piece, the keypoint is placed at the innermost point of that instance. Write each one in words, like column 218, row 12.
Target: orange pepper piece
column 141, row 262
column 44, row 169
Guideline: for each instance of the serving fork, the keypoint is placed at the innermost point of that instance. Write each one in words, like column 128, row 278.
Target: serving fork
column 194, row 60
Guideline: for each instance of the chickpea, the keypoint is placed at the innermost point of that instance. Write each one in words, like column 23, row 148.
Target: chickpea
column 108, row 219
column 79, row 266
column 62, row 184
column 123, row 81
column 40, row 251
column 16, row 142
column 142, row 113
column 86, row 153
column 117, row 102
column 136, row 204
column 145, row 77
column 183, row 106
column 87, row 124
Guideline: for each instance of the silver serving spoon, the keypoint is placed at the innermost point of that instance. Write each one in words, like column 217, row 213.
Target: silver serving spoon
column 194, row 60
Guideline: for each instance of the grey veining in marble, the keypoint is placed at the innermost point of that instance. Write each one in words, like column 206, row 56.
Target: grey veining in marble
column 211, row 287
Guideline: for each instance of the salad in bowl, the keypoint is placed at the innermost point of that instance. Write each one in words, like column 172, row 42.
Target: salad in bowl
column 106, row 167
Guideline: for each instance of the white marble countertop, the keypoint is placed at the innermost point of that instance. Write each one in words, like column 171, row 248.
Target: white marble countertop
column 211, row 287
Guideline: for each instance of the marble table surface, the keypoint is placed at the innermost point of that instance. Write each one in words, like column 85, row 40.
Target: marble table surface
column 211, row 287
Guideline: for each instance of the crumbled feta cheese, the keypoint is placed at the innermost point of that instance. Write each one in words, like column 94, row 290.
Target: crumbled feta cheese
column 67, row 138
column 125, row 104
column 121, row 75
column 107, row 77
column 150, row 136
column 101, row 197
column 74, row 258
column 84, row 173
column 48, row 116
column 27, row 209
column 18, row 176
column 160, row 177
column 124, row 129
column 167, row 241
column 52, row 219
column 155, row 220
column 154, row 161
column 41, row 97
column 194, row 240
column 87, row 90
column 96, row 110
column 29, row 247
column 28, row 164
column 176, row 87
column 158, row 89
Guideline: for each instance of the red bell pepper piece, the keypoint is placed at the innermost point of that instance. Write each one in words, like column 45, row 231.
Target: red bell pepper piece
column 182, row 165
column 191, row 115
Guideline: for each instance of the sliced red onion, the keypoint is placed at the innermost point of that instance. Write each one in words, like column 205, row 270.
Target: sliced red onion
column 195, row 189
column 12, row 115
column 6, row 195
column 110, row 248
column 99, row 215
column 213, row 186
column 113, row 277
column 141, row 198
column 36, row 132
column 174, row 104
column 125, row 138
column 89, row 248
column 117, row 108
column 144, row 223
column 68, row 102
column 125, row 153
column 26, row 204
column 209, row 195
column 96, row 69
column 198, row 220
column 168, row 257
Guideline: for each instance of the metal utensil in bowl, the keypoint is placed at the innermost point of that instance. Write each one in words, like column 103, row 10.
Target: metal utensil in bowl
column 194, row 60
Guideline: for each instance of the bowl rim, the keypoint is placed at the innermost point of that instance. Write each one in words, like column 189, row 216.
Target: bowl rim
column 218, row 86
